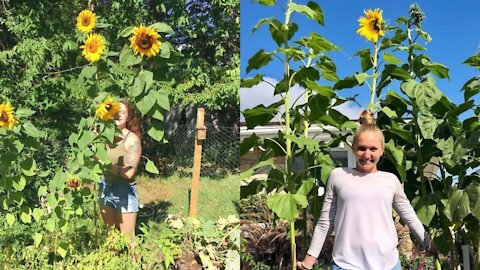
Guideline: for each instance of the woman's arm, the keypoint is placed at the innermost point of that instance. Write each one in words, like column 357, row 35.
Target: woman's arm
column 324, row 225
column 131, row 159
column 402, row 205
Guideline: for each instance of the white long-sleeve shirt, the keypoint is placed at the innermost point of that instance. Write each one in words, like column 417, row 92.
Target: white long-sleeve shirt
column 358, row 207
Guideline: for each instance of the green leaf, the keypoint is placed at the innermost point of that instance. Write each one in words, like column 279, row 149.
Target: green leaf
column 249, row 142
column 278, row 31
column 109, row 131
column 138, row 86
column 266, row 163
column 267, row 2
column 28, row 166
column 10, row 219
column 88, row 72
column 156, row 131
column 37, row 214
column 23, row 113
column 50, row 225
column 361, row 77
column 473, row 61
column 347, row 82
column 102, row 154
column 248, row 83
column 366, row 59
column 325, row 91
column 62, row 249
column 165, row 50
column 26, row 214
column 458, row 205
column 308, row 143
column 473, row 191
column 460, row 109
column 85, row 139
column 127, row 58
column 306, row 186
column 127, row 31
column 428, row 124
column 439, row 70
column 151, row 168
column 260, row 115
column 260, row 59
column 427, row 94
column 426, row 209
column 320, row 44
column 312, row 10
column 31, row 130
column 41, row 191
column 286, row 205
column 471, row 88
column 389, row 112
column 391, row 59
column 37, row 239
column 20, row 184
column 146, row 103
column 396, row 152
column 162, row 28
column 162, row 99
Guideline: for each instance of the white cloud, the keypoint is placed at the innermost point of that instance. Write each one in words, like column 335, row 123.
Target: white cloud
column 350, row 110
column 262, row 93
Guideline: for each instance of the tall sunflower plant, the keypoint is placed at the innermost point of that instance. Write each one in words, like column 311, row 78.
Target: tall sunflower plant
column 19, row 141
column 433, row 151
column 126, row 73
column 306, row 161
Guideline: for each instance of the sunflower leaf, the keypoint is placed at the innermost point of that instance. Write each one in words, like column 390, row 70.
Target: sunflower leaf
column 127, row 31
column 162, row 28
column 146, row 103
column 156, row 131
column 150, row 167
column 165, row 50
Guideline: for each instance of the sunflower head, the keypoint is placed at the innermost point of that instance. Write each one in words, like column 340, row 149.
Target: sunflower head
column 86, row 21
column 74, row 183
column 93, row 47
column 372, row 25
column 416, row 14
column 145, row 41
column 108, row 109
column 7, row 118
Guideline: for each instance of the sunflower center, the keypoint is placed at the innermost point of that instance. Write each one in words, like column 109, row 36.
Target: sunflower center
column 92, row 47
column 4, row 117
column 375, row 24
column 86, row 21
column 108, row 106
column 145, row 41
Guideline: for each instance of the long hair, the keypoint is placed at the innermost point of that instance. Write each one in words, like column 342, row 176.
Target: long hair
column 367, row 123
column 132, row 120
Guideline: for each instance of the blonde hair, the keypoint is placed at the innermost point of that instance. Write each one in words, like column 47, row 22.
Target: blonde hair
column 367, row 123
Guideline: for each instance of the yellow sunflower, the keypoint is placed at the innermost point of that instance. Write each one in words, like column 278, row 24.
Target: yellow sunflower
column 145, row 41
column 86, row 21
column 93, row 47
column 7, row 119
column 74, row 183
column 372, row 25
column 108, row 109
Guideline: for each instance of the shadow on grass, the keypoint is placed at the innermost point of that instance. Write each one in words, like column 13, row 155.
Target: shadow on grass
column 155, row 212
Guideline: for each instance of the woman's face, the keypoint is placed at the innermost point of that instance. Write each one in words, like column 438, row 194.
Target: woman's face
column 368, row 150
column 121, row 117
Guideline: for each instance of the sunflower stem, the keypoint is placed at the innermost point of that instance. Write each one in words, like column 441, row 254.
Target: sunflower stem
column 374, row 77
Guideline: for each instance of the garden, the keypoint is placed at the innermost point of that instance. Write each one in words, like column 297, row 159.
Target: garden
column 423, row 129
column 64, row 67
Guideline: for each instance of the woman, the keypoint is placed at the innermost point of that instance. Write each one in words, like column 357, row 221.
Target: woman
column 358, row 207
column 118, row 192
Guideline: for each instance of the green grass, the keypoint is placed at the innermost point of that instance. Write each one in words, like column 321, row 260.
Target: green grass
column 170, row 196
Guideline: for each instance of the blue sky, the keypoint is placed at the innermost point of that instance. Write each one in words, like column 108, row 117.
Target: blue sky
column 453, row 26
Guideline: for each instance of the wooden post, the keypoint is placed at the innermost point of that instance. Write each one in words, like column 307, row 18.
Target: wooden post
column 200, row 136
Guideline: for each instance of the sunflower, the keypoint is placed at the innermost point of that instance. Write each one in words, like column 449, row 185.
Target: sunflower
column 108, row 109
column 372, row 25
column 86, row 21
column 74, row 183
column 145, row 41
column 7, row 119
column 93, row 47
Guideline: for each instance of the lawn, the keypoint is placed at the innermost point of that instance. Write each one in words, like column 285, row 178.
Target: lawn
column 162, row 197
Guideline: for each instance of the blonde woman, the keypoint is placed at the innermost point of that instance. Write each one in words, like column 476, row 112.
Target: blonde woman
column 358, row 207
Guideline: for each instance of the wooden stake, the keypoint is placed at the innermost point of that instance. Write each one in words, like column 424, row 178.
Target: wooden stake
column 200, row 136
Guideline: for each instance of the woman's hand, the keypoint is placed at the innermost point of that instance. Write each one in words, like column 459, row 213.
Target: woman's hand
column 307, row 263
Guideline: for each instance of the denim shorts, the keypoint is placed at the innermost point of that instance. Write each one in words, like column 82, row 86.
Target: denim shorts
column 398, row 266
column 122, row 197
